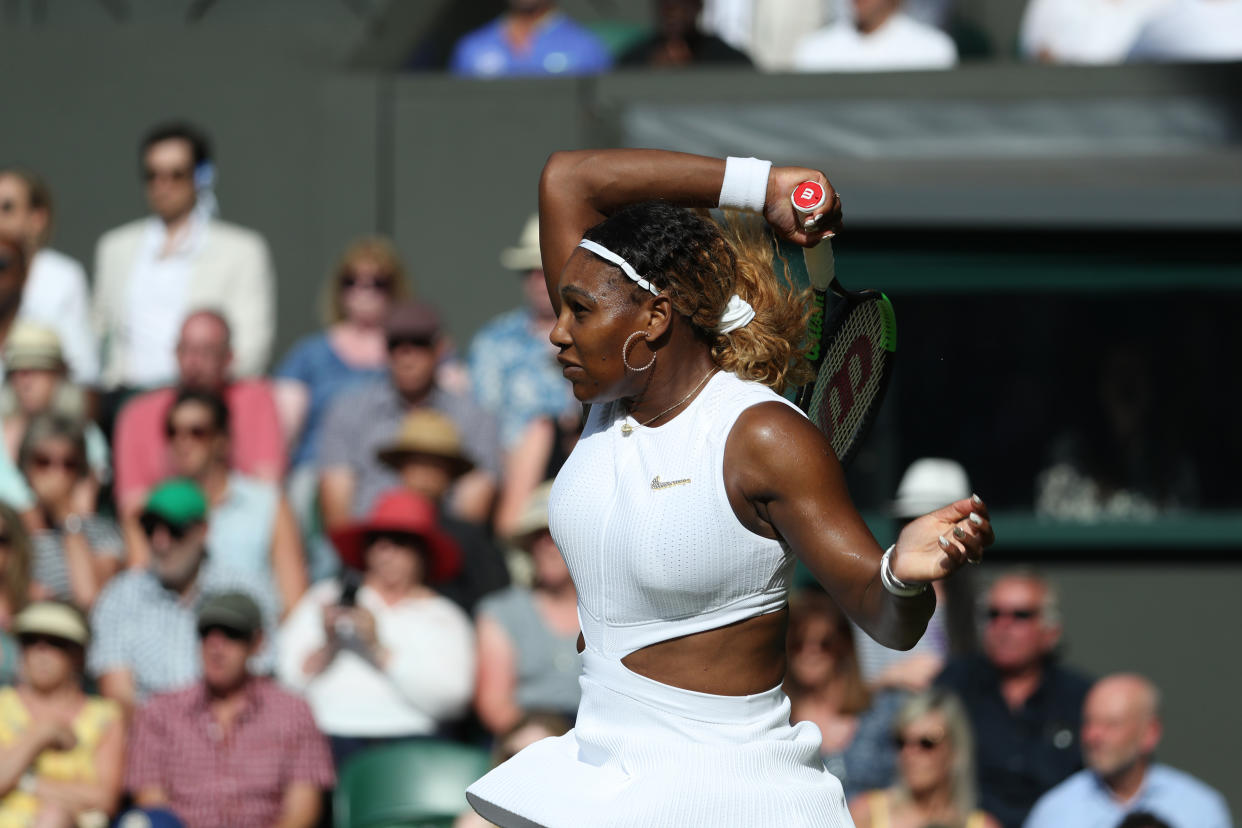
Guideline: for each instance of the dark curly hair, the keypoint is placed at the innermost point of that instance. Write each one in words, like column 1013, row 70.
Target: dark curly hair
column 699, row 264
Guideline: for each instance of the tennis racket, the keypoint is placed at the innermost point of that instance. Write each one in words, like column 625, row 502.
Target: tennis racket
column 853, row 341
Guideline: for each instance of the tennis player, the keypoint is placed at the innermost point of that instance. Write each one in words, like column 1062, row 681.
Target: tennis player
column 683, row 507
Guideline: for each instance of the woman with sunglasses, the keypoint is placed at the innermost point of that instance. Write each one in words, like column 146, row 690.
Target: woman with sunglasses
column 369, row 279
column 825, row 686
column 61, row 751
column 936, row 770
column 76, row 550
column 250, row 525
column 14, row 586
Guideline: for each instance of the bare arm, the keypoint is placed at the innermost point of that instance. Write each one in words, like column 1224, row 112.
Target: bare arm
column 84, row 582
column 19, row 755
column 580, row 189
column 152, row 796
column 104, row 794
column 292, row 403
column 119, row 685
column 336, row 496
column 784, row 481
column 496, row 681
column 300, row 806
column 288, row 561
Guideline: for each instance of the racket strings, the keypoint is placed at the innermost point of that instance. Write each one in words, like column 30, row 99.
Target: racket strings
column 851, row 375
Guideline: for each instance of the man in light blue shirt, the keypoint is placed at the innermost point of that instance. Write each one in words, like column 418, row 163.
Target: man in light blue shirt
column 533, row 38
column 1120, row 731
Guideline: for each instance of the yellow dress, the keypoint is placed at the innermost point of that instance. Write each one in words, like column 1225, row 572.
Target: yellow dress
column 18, row 809
column 879, row 802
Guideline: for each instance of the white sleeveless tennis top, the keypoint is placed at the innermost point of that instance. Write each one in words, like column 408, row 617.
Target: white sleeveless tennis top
column 646, row 528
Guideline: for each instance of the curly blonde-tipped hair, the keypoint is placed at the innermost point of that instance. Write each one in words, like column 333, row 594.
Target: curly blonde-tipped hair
column 699, row 264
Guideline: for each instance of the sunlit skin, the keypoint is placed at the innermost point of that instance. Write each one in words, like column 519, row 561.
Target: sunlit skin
column 194, row 442
column 18, row 219
column 925, row 770
column 367, row 301
column 394, row 565
column 47, row 666
column 428, row 475
column 1120, row 731
column 412, row 367
column 175, row 563
column 781, row 476
column 54, row 470
column 813, row 655
column 1015, row 645
column 34, row 388
column 170, row 186
column 203, row 353
column 224, row 660
column 870, row 15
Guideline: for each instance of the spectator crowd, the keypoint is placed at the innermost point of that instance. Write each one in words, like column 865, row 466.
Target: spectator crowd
column 219, row 584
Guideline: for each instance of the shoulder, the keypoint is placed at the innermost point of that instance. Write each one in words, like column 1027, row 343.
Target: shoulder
column 502, row 602
column 361, row 400
column 573, row 31
column 1186, row 790
column 822, row 39
column 485, row 35
column 235, row 234
column 170, row 703
column 1061, row 801
column 1069, row 682
column 959, row 672
column 507, row 324
column 243, row 393
column 929, row 38
column 123, row 587
column 61, row 265
column 127, row 234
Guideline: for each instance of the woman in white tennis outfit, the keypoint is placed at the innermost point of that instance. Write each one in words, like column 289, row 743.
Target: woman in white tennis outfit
column 685, row 504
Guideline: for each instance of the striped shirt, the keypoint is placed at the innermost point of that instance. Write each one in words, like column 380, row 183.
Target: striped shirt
column 140, row 626
column 48, row 552
column 227, row 779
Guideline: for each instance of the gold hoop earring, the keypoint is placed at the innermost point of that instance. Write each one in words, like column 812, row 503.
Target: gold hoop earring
column 625, row 350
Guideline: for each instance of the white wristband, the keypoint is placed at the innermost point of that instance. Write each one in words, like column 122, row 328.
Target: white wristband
column 745, row 185
column 895, row 585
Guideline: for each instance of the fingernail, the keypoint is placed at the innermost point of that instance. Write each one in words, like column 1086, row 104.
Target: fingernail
column 959, row 533
column 830, row 235
column 975, row 519
column 978, row 501
column 944, row 542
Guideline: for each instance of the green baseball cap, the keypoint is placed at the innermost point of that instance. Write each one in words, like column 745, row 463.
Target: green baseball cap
column 232, row 610
column 179, row 502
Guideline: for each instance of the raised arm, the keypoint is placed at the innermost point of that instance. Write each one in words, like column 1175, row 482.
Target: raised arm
column 580, row 189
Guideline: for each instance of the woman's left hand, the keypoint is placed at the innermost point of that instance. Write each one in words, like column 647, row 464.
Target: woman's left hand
column 936, row 545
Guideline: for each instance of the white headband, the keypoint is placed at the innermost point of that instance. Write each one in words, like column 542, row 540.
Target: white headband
column 737, row 314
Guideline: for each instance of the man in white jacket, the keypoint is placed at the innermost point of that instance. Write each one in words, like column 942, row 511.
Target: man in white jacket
column 149, row 273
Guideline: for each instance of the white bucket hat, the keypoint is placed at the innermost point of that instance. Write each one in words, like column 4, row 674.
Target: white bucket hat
column 525, row 255
column 930, row 483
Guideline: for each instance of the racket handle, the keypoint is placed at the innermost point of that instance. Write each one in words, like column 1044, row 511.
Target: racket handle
column 806, row 198
column 821, row 268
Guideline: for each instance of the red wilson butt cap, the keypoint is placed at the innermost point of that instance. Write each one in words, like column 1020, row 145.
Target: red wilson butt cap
column 808, row 197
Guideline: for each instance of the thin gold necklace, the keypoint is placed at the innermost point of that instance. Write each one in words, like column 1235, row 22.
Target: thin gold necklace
column 627, row 429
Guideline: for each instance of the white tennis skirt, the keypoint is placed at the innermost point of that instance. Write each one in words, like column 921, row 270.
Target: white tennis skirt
column 647, row 755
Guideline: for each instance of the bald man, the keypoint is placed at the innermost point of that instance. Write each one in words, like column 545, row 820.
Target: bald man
column 1120, row 731
column 204, row 361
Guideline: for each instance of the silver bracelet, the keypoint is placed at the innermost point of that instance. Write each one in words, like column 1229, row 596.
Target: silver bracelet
column 745, row 185
column 898, row 587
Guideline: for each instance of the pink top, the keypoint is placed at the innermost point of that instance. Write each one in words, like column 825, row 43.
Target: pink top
column 141, row 448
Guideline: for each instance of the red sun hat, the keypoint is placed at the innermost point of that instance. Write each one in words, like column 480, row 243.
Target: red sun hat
column 401, row 511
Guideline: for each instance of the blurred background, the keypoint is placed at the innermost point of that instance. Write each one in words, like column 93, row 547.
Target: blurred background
column 1056, row 217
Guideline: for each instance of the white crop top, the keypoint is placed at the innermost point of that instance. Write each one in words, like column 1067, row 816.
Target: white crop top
column 646, row 528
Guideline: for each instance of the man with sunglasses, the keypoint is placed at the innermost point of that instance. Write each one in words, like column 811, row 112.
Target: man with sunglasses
column 55, row 294
column 150, row 272
column 1025, row 707
column 191, row 747
column 144, row 620
column 365, row 418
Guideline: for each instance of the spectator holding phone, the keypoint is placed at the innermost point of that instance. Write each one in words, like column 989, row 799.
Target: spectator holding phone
column 382, row 657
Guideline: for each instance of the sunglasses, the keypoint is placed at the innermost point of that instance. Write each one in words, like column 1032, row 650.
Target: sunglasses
column 823, row 644
column 5, row 262
column 149, row 175
column 381, row 285
column 6, row 539
column 228, row 632
column 996, row 613
column 151, row 524
column 395, row 342
column 35, row 639
column 8, row 206
column 195, row 432
column 923, row 743
column 43, row 462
